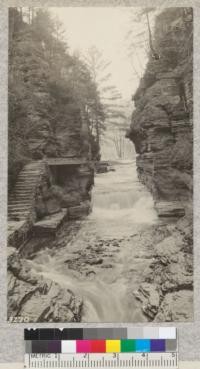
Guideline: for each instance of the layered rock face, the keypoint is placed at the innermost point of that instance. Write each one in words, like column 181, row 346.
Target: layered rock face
column 68, row 157
column 161, row 127
column 166, row 290
column 70, row 139
column 162, row 132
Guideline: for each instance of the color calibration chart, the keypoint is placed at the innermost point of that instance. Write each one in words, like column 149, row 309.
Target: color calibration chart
column 138, row 347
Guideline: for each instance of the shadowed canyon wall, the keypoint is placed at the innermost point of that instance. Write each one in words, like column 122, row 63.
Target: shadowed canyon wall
column 162, row 132
column 161, row 127
column 49, row 93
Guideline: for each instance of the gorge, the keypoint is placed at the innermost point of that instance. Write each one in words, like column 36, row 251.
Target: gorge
column 81, row 242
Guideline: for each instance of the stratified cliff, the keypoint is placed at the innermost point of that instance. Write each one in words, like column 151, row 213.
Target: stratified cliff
column 51, row 99
column 51, row 146
column 161, row 127
column 162, row 132
column 51, row 95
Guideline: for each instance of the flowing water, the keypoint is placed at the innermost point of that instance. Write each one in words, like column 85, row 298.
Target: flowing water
column 102, row 258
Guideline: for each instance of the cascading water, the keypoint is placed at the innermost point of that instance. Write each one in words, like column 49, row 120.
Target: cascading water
column 103, row 261
column 119, row 198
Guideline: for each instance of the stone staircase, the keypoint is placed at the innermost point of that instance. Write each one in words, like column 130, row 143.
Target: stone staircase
column 20, row 202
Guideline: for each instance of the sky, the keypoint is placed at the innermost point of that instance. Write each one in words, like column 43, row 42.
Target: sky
column 106, row 28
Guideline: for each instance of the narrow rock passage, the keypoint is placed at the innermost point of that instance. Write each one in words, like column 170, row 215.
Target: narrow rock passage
column 102, row 258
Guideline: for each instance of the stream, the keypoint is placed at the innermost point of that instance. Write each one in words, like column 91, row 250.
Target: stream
column 102, row 258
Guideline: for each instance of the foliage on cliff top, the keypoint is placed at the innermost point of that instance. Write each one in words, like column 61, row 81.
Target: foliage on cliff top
column 173, row 42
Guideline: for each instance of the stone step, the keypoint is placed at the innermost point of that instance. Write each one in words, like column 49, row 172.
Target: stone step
column 18, row 202
column 16, row 219
column 26, row 171
column 23, row 190
column 19, row 205
column 30, row 174
column 24, row 187
column 24, row 195
column 20, row 199
column 19, row 208
column 19, row 213
column 27, row 182
column 27, row 178
column 19, row 196
column 27, row 189
column 24, row 184
column 30, row 169
column 33, row 167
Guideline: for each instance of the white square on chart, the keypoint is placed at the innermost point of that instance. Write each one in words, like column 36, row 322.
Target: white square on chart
column 68, row 347
column 167, row 333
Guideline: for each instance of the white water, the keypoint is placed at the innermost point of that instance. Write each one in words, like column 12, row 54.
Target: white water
column 118, row 197
column 122, row 208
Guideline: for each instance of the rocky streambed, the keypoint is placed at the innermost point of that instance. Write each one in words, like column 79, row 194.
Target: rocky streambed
column 120, row 263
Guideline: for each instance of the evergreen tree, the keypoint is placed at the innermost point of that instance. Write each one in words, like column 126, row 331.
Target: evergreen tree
column 109, row 109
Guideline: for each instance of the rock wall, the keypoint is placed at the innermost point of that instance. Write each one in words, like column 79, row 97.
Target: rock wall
column 69, row 186
column 161, row 127
column 162, row 132
column 166, row 289
column 71, row 138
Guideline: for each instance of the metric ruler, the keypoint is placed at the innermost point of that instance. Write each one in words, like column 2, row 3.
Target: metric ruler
column 103, row 361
